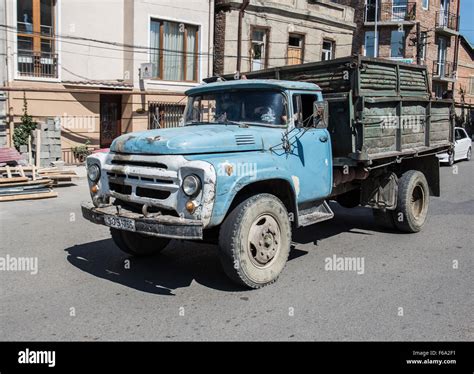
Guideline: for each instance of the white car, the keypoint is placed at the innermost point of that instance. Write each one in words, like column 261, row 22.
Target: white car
column 462, row 148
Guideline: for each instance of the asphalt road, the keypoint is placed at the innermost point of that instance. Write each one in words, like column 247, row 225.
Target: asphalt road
column 84, row 291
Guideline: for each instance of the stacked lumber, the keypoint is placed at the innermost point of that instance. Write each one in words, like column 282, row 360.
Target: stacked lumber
column 54, row 173
column 23, row 188
column 57, row 174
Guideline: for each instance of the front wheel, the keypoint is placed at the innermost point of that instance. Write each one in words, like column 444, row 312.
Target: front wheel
column 137, row 244
column 413, row 201
column 469, row 154
column 254, row 241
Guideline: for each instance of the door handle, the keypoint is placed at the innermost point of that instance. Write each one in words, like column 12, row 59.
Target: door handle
column 323, row 138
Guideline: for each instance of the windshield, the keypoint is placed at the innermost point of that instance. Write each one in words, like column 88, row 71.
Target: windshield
column 266, row 108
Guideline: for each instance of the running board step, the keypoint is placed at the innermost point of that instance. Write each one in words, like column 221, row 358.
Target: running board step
column 318, row 213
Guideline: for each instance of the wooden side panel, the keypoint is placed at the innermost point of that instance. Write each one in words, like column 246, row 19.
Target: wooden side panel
column 413, row 125
column 380, row 127
column 440, row 123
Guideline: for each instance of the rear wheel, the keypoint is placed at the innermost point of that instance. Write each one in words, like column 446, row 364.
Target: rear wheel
column 413, row 202
column 254, row 241
column 469, row 154
column 138, row 244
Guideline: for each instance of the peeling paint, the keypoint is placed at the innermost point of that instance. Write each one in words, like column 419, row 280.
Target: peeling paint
column 296, row 183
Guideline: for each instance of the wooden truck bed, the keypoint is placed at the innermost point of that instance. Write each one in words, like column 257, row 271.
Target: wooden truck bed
column 378, row 109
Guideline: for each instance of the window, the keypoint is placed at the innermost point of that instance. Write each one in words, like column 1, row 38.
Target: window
column 303, row 107
column 295, row 49
column 174, row 51
column 399, row 10
column 425, row 4
column 251, row 107
column 471, row 86
column 162, row 114
column 439, row 90
column 397, row 44
column 423, row 41
column 460, row 134
column 258, row 51
column 369, row 44
column 328, row 50
column 35, row 38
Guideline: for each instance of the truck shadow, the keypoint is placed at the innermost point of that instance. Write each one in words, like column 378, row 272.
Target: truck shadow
column 176, row 267
column 183, row 262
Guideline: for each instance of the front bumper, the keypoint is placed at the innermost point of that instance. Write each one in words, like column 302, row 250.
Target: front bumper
column 153, row 224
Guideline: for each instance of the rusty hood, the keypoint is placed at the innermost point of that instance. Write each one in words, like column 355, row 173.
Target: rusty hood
column 192, row 140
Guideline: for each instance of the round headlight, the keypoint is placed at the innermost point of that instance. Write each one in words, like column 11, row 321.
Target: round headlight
column 191, row 185
column 93, row 173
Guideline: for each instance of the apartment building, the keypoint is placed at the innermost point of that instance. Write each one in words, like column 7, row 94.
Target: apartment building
column 3, row 73
column 413, row 31
column 464, row 93
column 253, row 35
column 105, row 67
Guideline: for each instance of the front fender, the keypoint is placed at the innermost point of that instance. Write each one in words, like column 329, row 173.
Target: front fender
column 233, row 174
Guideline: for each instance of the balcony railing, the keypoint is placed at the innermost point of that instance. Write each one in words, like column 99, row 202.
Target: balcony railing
column 447, row 20
column 388, row 12
column 37, row 64
column 443, row 70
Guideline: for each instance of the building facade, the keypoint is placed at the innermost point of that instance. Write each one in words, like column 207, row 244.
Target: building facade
column 106, row 68
column 413, row 31
column 3, row 74
column 464, row 93
column 254, row 35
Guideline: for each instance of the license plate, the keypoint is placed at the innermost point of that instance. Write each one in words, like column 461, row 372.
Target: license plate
column 120, row 223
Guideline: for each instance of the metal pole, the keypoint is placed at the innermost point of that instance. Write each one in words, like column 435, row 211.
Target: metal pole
column 376, row 41
column 244, row 5
column 419, row 43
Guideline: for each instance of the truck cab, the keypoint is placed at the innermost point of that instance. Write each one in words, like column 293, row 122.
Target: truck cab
column 261, row 140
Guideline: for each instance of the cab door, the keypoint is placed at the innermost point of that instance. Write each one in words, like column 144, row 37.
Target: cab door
column 310, row 159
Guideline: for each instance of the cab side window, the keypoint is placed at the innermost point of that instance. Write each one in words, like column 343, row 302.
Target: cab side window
column 303, row 107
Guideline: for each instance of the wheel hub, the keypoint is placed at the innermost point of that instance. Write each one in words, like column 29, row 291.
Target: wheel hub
column 264, row 240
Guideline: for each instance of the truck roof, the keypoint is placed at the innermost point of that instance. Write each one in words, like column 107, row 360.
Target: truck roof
column 254, row 83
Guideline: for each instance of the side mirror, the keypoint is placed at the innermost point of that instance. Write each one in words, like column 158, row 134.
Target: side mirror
column 321, row 114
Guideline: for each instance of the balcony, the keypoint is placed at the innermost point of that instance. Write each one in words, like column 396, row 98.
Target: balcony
column 443, row 71
column 390, row 14
column 37, row 64
column 447, row 23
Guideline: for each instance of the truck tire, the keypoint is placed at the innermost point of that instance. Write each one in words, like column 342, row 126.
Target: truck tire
column 384, row 218
column 137, row 244
column 254, row 241
column 413, row 202
column 349, row 199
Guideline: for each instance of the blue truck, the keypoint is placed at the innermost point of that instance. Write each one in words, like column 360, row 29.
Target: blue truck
column 257, row 158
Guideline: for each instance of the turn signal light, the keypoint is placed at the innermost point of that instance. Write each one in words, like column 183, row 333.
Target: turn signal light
column 190, row 207
column 94, row 188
